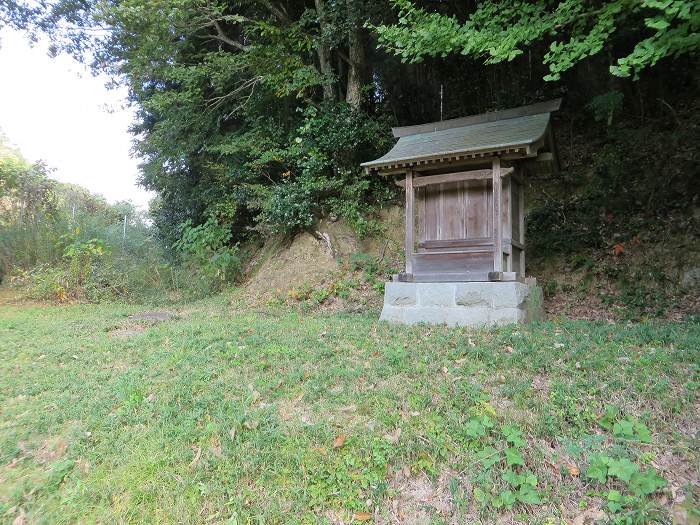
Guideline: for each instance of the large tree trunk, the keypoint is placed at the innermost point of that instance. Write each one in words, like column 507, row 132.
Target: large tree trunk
column 324, row 56
column 356, row 67
column 356, row 54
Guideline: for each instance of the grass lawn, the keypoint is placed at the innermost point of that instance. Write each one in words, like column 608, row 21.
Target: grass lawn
column 227, row 415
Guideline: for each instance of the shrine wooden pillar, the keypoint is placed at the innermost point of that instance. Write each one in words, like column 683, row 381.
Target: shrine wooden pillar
column 409, row 222
column 497, row 215
column 521, row 222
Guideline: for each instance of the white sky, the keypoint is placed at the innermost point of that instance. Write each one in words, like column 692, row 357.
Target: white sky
column 54, row 109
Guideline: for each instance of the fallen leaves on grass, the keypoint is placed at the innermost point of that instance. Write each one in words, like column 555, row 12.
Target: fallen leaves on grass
column 251, row 424
column 339, row 441
column 215, row 448
column 51, row 449
column 588, row 517
column 683, row 513
column 197, row 457
column 254, row 395
column 363, row 516
column 393, row 437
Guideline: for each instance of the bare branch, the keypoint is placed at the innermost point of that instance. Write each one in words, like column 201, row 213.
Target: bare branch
column 249, row 83
column 221, row 36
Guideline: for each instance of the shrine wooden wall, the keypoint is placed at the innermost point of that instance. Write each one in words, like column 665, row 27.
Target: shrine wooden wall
column 455, row 226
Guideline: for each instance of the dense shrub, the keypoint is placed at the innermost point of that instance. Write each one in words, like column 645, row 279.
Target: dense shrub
column 207, row 254
column 321, row 174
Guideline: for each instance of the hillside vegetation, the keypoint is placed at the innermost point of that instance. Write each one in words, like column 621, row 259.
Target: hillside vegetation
column 60, row 242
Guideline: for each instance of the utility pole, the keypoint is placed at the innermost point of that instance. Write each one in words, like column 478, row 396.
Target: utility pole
column 124, row 235
column 441, row 94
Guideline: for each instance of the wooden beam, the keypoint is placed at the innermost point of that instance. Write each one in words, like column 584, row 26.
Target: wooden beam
column 507, row 214
column 521, row 219
column 459, row 176
column 479, row 242
column 497, row 221
column 409, row 221
column 446, row 277
column 503, row 276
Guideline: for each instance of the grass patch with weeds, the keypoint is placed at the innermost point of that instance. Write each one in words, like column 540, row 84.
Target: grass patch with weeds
column 223, row 415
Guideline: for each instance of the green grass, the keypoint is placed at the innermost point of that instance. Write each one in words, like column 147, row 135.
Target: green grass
column 226, row 415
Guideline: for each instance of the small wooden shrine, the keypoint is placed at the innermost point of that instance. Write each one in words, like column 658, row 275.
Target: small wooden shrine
column 464, row 191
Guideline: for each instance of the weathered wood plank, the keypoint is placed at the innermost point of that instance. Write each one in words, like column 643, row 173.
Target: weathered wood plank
column 452, row 211
column 432, row 212
column 447, row 277
column 497, row 225
column 420, row 204
column 488, row 213
column 459, row 176
column 457, row 243
column 452, row 262
column 515, row 208
column 506, row 221
column 503, row 276
column 479, row 212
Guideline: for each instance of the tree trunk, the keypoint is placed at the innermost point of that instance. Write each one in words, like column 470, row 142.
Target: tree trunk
column 356, row 54
column 324, row 56
column 356, row 67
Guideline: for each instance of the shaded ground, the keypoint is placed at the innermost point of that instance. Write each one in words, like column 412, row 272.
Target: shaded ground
column 224, row 415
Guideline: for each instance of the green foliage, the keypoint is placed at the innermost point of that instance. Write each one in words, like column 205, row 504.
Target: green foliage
column 598, row 467
column 206, row 253
column 607, row 224
column 239, row 118
column 289, row 207
column 322, row 174
column 513, row 457
column 632, row 429
column 622, row 469
column 520, row 486
column 574, row 29
column 363, row 261
column 606, row 105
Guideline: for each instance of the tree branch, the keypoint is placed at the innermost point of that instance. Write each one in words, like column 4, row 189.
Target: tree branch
column 278, row 11
column 222, row 37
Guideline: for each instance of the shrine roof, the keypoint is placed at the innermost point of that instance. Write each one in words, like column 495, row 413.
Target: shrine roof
column 519, row 131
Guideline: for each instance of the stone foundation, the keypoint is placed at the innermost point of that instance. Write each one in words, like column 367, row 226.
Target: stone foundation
column 463, row 304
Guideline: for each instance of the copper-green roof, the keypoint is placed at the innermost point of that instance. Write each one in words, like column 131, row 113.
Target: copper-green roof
column 495, row 132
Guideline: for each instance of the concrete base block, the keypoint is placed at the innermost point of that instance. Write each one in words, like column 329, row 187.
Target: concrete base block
column 463, row 304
